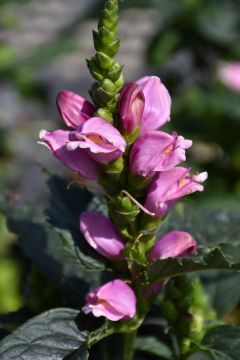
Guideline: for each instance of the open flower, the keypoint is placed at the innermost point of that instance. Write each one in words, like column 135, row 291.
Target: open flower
column 169, row 186
column 115, row 300
column 101, row 234
column 92, row 141
column 173, row 244
column 157, row 151
column 157, row 103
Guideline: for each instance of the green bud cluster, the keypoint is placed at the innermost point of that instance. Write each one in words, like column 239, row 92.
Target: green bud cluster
column 176, row 309
column 186, row 307
column 102, row 65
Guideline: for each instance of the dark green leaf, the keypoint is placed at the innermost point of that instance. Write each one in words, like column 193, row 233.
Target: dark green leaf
column 153, row 346
column 218, row 236
column 53, row 251
column 51, row 335
column 220, row 343
column 223, row 289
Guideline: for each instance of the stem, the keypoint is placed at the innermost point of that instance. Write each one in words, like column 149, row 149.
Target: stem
column 129, row 341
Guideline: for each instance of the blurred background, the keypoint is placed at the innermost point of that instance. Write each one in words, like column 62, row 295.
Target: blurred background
column 43, row 46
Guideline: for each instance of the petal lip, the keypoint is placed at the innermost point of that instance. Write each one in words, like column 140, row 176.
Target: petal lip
column 77, row 161
column 115, row 300
column 101, row 139
column 73, row 108
column 167, row 187
column 105, row 239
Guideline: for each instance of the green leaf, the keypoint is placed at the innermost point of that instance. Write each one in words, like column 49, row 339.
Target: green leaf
column 54, row 251
column 51, row 335
column 66, row 205
column 223, row 290
column 217, row 233
column 220, row 343
column 153, row 346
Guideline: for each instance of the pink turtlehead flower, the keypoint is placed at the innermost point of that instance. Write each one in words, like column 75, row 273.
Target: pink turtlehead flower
column 115, row 300
column 157, row 151
column 101, row 234
column 131, row 107
column 77, row 161
column 173, row 244
column 169, row 186
column 74, row 109
column 229, row 74
column 157, row 103
column 102, row 141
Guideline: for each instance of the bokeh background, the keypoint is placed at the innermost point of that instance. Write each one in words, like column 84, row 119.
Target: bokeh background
column 43, row 46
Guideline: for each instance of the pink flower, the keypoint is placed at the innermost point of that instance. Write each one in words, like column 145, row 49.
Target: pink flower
column 229, row 74
column 115, row 300
column 101, row 234
column 74, row 109
column 131, row 107
column 93, row 140
column 173, row 244
column 157, row 103
column 77, row 161
column 157, row 151
column 102, row 141
column 169, row 186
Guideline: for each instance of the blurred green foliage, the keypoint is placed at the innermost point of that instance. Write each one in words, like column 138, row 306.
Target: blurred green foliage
column 194, row 37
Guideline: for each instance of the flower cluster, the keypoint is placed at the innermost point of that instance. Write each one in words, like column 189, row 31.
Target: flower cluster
column 148, row 156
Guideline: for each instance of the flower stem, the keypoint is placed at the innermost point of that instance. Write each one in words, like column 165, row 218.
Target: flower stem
column 129, row 341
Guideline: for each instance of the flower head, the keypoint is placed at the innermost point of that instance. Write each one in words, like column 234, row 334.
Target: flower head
column 115, row 300
column 173, row 244
column 157, row 151
column 169, row 186
column 101, row 234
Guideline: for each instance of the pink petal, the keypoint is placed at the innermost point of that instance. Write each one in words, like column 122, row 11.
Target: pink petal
column 74, row 109
column 77, row 161
column 115, row 300
column 101, row 234
column 168, row 186
column 173, row 244
column 131, row 107
column 120, row 296
column 103, row 141
column 157, row 103
column 157, row 151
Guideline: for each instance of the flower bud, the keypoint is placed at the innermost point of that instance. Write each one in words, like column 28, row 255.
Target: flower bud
column 104, row 239
column 74, row 109
column 115, row 300
column 131, row 107
column 173, row 244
